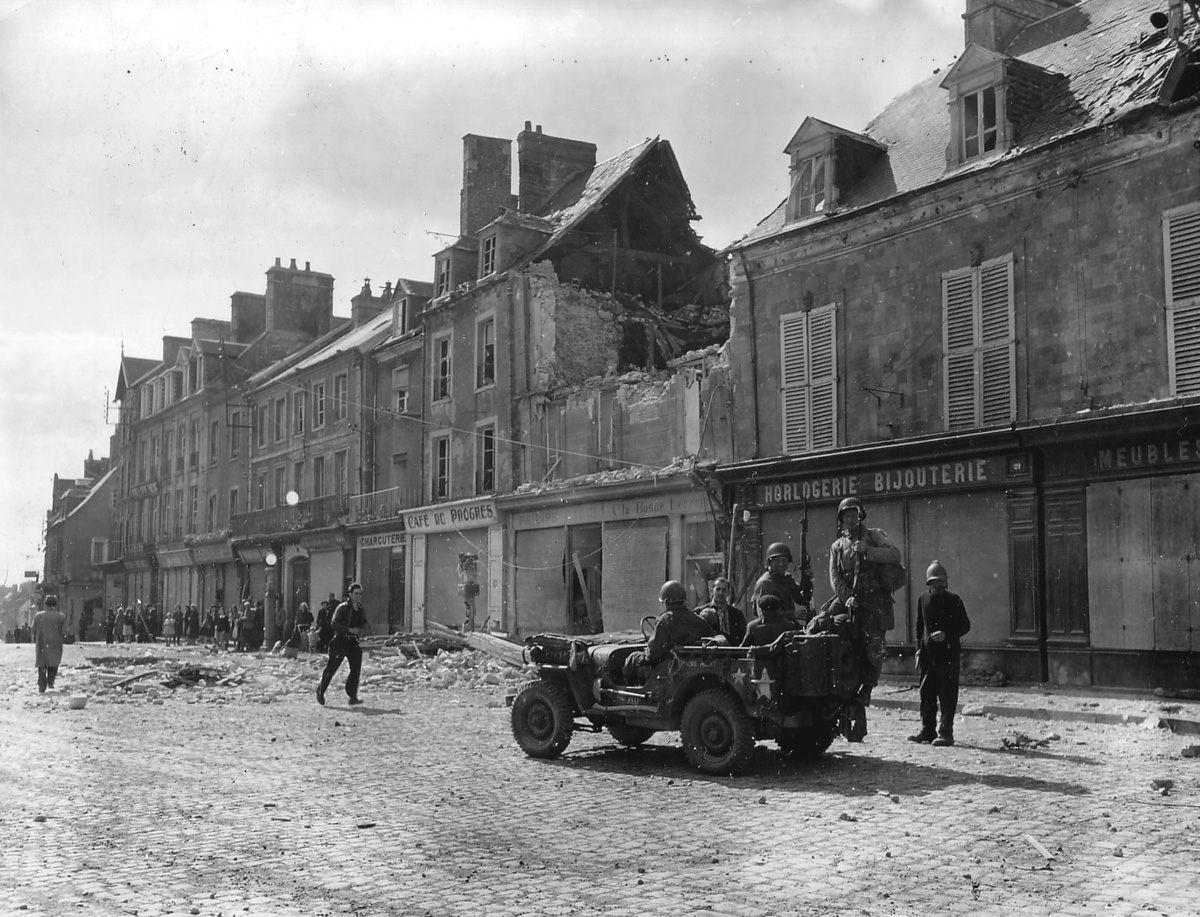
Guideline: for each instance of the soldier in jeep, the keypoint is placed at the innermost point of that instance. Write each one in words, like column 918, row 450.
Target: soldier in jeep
column 678, row 625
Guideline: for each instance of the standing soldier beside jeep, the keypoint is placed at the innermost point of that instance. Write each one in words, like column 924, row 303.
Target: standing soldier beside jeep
column 864, row 569
column 942, row 622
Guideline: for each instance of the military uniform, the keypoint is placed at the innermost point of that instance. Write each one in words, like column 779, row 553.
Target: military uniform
column 852, row 574
column 677, row 626
column 938, row 661
column 784, row 588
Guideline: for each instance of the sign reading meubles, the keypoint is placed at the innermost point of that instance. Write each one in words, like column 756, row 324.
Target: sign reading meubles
column 899, row 480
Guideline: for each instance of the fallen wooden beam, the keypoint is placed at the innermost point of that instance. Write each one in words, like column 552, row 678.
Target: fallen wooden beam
column 132, row 678
column 497, row 647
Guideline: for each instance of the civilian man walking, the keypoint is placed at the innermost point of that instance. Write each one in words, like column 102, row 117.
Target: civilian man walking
column 349, row 623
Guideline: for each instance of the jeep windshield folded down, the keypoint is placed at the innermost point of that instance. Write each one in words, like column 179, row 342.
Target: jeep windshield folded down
column 799, row 691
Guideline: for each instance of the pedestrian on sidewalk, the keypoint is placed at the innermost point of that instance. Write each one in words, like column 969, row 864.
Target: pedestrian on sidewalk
column 349, row 623
column 49, row 635
column 942, row 622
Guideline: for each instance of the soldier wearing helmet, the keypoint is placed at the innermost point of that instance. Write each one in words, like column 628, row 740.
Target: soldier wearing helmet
column 856, row 561
column 793, row 598
column 941, row 624
column 678, row 625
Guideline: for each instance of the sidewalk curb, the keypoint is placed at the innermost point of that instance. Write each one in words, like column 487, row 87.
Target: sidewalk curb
column 1177, row 725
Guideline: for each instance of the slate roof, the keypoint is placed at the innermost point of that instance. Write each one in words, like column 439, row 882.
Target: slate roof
column 1114, row 63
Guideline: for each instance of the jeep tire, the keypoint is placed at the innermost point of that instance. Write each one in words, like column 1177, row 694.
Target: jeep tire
column 542, row 720
column 718, row 735
column 629, row 736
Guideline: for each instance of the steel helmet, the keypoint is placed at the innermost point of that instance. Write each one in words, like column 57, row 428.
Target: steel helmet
column 936, row 571
column 672, row 591
column 779, row 549
column 852, row 503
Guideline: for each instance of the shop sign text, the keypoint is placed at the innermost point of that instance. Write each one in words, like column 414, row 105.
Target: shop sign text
column 446, row 518
column 910, row 479
column 1181, row 451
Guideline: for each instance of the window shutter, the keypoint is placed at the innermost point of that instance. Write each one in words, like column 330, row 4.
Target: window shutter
column 1181, row 247
column 958, row 317
column 808, row 360
column 980, row 345
column 822, row 364
column 998, row 358
column 794, row 371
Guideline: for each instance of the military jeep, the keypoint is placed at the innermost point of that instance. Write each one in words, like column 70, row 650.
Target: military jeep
column 799, row 691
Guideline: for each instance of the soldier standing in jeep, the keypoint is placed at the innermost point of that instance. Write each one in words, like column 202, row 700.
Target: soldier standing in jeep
column 862, row 583
column 793, row 597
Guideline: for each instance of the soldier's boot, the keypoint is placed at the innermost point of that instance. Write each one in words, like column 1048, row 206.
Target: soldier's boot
column 858, row 727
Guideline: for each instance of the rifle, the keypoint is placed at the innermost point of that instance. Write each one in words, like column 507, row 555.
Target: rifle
column 806, row 574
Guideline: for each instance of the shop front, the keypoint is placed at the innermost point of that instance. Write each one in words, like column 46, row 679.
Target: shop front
column 141, row 579
column 216, row 573
column 972, row 512
column 329, row 567
column 594, row 560
column 1122, row 553
column 382, row 571
column 456, row 553
column 177, row 578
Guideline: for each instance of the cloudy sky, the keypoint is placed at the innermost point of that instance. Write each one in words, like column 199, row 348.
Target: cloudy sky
column 155, row 157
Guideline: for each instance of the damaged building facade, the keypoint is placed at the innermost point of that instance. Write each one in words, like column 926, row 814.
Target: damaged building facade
column 568, row 327
column 979, row 315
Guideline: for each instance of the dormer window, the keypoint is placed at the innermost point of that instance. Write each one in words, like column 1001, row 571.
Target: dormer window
column 826, row 164
column 809, row 192
column 487, row 255
column 992, row 97
column 441, row 284
column 978, row 113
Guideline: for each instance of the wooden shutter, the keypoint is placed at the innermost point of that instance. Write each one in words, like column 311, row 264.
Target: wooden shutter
column 1181, row 248
column 808, row 360
column 980, row 345
column 998, row 395
column 958, row 324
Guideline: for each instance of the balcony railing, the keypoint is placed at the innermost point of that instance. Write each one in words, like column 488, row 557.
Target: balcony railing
column 133, row 548
column 383, row 504
column 309, row 514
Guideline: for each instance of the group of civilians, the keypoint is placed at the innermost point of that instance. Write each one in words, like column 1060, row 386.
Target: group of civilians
column 238, row 626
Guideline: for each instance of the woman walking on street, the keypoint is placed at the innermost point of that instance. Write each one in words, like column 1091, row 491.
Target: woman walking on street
column 49, row 634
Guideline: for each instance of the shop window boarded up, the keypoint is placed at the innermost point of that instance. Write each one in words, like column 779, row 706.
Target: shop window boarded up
column 635, row 567
column 968, row 533
column 1144, row 575
column 540, row 599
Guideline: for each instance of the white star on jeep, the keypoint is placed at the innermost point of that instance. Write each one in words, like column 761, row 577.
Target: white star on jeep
column 763, row 683
column 739, row 677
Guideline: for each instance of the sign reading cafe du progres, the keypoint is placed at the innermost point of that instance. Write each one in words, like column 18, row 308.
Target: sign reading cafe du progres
column 906, row 479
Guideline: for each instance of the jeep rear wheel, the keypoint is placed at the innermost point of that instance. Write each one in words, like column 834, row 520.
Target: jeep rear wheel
column 718, row 736
column 631, row 736
column 807, row 742
column 542, row 720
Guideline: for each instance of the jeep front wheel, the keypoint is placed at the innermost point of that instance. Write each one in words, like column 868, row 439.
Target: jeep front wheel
column 631, row 736
column 542, row 720
column 718, row 736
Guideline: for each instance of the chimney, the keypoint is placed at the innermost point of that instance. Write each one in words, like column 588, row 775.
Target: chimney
column 545, row 164
column 993, row 24
column 487, row 182
column 365, row 306
column 298, row 301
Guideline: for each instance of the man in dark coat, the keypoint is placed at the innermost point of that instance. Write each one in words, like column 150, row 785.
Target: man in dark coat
column 772, row 621
column 722, row 617
column 942, row 622
column 349, row 623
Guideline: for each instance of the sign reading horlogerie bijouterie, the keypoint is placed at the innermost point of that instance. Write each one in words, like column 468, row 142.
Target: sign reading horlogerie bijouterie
column 906, row 479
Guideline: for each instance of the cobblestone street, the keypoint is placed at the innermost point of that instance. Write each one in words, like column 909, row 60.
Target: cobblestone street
column 202, row 801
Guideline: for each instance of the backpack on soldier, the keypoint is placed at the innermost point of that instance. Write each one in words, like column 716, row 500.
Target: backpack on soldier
column 893, row 575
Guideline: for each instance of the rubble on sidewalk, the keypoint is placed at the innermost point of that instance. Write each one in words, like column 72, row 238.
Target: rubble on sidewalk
column 390, row 663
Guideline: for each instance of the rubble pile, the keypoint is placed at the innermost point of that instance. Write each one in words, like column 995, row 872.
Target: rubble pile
column 390, row 664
